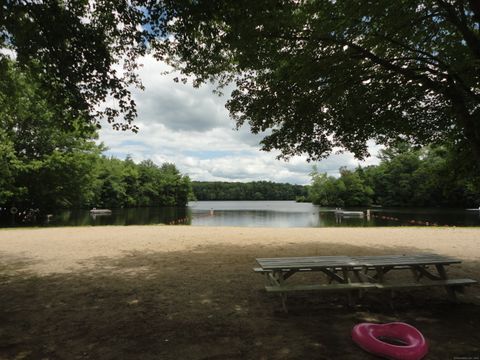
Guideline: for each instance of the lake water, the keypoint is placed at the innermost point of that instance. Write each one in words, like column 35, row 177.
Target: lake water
column 292, row 214
column 257, row 214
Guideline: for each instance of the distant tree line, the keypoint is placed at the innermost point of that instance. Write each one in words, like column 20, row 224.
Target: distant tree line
column 49, row 158
column 256, row 190
column 406, row 177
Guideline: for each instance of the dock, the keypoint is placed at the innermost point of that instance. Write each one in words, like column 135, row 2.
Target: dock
column 349, row 213
column 100, row 211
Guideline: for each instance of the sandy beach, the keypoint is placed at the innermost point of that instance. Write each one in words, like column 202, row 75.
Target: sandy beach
column 52, row 250
column 183, row 292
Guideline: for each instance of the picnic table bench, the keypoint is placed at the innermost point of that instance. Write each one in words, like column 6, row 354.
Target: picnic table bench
column 359, row 273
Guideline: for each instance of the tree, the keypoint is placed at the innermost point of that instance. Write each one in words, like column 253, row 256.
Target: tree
column 83, row 51
column 42, row 164
column 9, row 165
column 430, row 176
column 356, row 192
column 112, row 186
column 348, row 190
column 47, row 166
column 326, row 190
column 326, row 74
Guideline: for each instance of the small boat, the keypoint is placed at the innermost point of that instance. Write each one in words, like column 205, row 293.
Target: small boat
column 349, row 213
column 100, row 211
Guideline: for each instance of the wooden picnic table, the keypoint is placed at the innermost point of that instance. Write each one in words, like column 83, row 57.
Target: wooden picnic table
column 359, row 273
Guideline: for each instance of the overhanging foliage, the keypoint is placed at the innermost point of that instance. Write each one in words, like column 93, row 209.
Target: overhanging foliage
column 326, row 74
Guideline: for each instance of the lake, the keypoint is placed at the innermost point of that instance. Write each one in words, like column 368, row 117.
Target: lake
column 257, row 214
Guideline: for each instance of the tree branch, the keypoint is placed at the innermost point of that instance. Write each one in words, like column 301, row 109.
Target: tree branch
column 475, row 7
column 409, row 73
column 387, row 64
column 436, row 60
column 472, row 40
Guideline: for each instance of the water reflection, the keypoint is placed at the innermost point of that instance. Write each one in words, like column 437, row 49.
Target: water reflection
column 253, row 214
column 134, row 216
column 264, row 218
column 255, row 218
column 291, row 214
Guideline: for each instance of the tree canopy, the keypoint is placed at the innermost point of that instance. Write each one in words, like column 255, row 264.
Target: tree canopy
column 47, row 166
column 42, row 164
column 312, row 75
column 426, row 177
column 85, row 51
column 316, row 75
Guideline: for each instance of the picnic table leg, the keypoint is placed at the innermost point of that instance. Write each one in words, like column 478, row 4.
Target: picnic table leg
column 420, row 271
column 332, row 275
column 416, row 274
column 277, row 278
column 380, row 276
column 284, row 302
column 365, row 277
column 392, row 298
column 452, row 296
column 359, row 279
column 347, row 280
column 268, row 280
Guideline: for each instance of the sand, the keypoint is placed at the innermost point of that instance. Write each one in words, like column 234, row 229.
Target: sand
column 71, row 248
column 184, row 292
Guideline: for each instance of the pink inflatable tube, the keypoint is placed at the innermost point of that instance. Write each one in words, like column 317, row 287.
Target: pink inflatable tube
column 370, row 337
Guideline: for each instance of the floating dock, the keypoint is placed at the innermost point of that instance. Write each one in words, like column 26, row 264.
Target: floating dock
column 349, row 213
column 100, row 211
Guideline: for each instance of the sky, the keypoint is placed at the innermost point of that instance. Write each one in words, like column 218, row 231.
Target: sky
column 191, row 128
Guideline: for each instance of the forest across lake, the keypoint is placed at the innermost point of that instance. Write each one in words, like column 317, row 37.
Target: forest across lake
column 261, row 214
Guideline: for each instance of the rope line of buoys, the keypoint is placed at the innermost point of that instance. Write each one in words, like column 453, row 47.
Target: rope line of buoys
column 179, row 221
column 412, row 222
column 185, row 220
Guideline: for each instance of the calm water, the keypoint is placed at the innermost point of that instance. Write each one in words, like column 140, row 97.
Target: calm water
column 292, row 214
column 254, row 214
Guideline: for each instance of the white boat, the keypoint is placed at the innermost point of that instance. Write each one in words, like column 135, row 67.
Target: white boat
column 100, row 211
column 473, row 209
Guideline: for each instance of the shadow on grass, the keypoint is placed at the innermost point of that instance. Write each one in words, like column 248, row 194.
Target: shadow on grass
column 207, row 304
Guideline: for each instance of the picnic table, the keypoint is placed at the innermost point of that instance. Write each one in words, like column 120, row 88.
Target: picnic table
column 360, row 273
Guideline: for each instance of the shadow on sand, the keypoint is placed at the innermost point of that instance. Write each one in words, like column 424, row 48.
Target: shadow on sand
column 207, row 304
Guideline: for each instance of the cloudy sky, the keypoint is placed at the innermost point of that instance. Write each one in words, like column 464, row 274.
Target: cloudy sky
column 191, row 128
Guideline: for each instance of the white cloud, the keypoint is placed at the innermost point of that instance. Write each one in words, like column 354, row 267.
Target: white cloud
column 191, row 128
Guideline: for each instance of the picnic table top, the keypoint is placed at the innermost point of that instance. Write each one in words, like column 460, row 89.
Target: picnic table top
column 318, row 262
